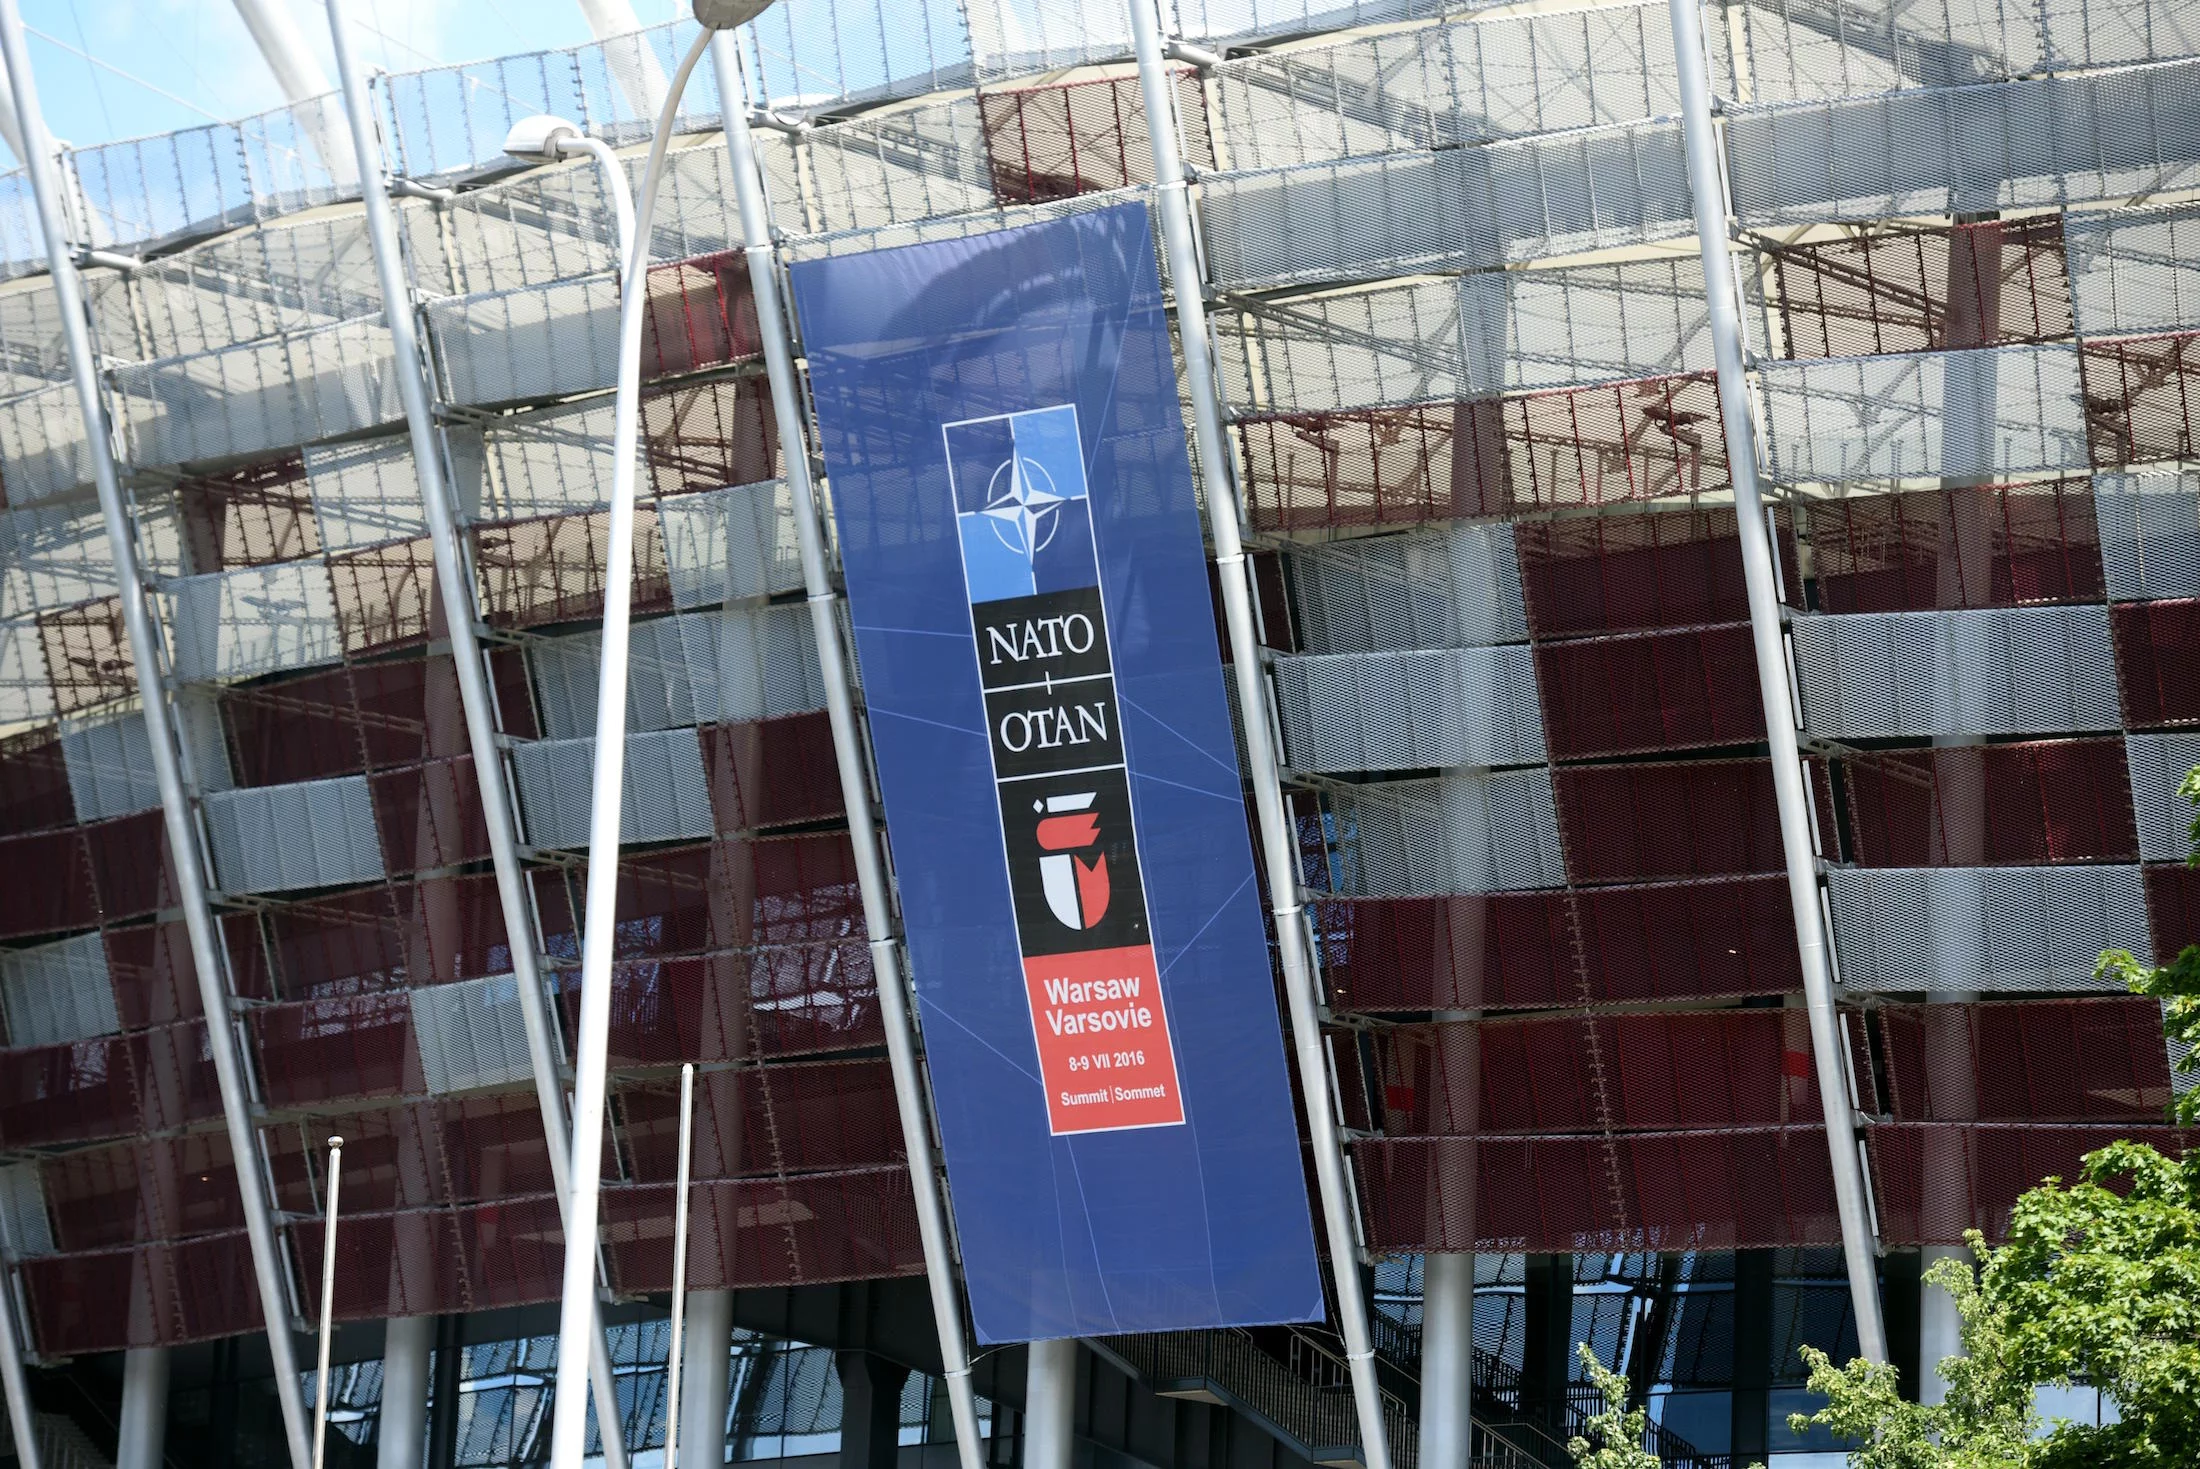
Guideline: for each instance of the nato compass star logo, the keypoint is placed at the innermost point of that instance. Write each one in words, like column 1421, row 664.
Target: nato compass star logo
column 1023, row 506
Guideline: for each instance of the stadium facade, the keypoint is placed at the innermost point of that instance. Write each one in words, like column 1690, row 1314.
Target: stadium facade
column 1456, row 294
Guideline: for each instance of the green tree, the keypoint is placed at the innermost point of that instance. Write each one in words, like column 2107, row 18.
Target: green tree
column 1611, row 1439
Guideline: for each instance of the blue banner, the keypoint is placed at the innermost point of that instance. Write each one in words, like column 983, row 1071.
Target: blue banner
column 1001, row 429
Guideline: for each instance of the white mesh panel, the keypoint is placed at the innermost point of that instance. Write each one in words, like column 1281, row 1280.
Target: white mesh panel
column 1011, row 38
column 1456, row 587
column 366, row 494
column 1993, row 411
column 316, row 833
column 471, row 1034
column 532, row 342
column 544, row 225
column 730, row 545
column 1474, row 832
column 2158, row 763
column 740, row 663
column 51, row 557
column 43, row 445
column 2150, row 534
column 261, row 619
column 26, row 694
column 549, row 463
column 2012, row 670
column 890, row 168
column 665, row 793
column 268, row 395
column 110, row 765
column 2134, row 271
column 1985, row 929
column 25, row 1227
column 1410, row 711
column 58, row 992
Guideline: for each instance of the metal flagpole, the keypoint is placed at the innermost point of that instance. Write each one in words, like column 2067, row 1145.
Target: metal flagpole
column 455, row 587
column 679, row 1265
column 175, row 803
column 1707, row 185
column 328, row 1299
column 855, row 785
column 1300, row 983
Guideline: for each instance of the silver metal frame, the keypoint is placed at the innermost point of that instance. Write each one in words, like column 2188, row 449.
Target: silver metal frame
column 1300, row 982
column 1706, row 180
column 475, row 697
column 176, row 805
column 848, row 750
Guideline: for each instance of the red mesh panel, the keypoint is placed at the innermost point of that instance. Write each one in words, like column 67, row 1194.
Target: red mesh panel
column 2091, row 1060
column 805, row 1117
column 1084, row 137
column 34, row 784
column 386, row 937
column 731, row 894
column 2173, row 909
column 1755, row 1189
column 1665, row 941
column 436, row 1261
column 49, row 883
column 1863, row 1065
column 1919, row 290
column 1968, row 546
column 149, row 1296
column 386, row 596
column 1704, row 818
column 429, row 815
column 322, row 1050
column 108, row 1086
column 248, row 516
column 1918, row 1169
column 129, row 861
column 707, row 437
column 860, row 1225
column 770, row 772
column 87, row 655
column 2141, row 396
column 2050, row 801
column 698, row 313
column 550, row 570
column 1653, row 438
column 1622, row 573
column 782, row 999
column 150, row 968
column 340, row 721
column 152, row 1189
column 514, row 695
column 1726, row 1069
column 1652, row 691
column 419, row 1155
column 2154, row 643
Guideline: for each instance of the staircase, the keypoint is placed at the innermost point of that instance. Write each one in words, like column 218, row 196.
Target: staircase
column 63, row 1445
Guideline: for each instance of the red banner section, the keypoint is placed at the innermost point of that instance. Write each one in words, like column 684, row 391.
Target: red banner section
column 1104, row 1049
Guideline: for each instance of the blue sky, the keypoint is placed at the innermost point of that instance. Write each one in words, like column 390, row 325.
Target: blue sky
column 189, row 61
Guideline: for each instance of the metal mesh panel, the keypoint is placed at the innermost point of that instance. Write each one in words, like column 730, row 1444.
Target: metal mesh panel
column 764, row 1120
column 1964, row 546
column 2010, row 670
column 1466, row 208
column 709, row 436
column 24, row 1227
column 856, row 1225
column 1619, row 573
column 529, row 342
column 550, row 462
column 894, row 167
column 2139, row 397
column 239, row 624
column 108, row 1086
column 1700, row 818
column 1492, row 332
column 26, row 690
column 1462, row 82
column 771, row 772
column 34, row 783
column 293, row 389
column 1753, row 1188
column 2032, row 1061
column 548, row 224
column 415, row 1154
column 1789, row 51
column 2150, row 534
column 735, row 664
column 151, row 1189
column 144, row 1296
column 56, row 556
column 429, row 815
column 322, row 1050
column 247, row 287
column 1655, row 691
column 2154, row 642
column 22, row 246
column 731, row 545
column 1457, row 587
column 1916, row 290
column 1932, row 1182
column 1409, row 711
column 2135, row 270
column 1989, row 929
column 1473, row 832
column 43, row 445
column 1889, row 417
column 367, row 494
column 2158, row 763
column 697, row 313
column 437, row 1261
column 552, row 570
column 1083, row 137
column 1549, row 1074
column 665, row 793
column 317, row 833
column 57, row 992
column 1951, row 150
column 2173, row 905
column 110, row 765
column 1974, row 805
column 470, row 1034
